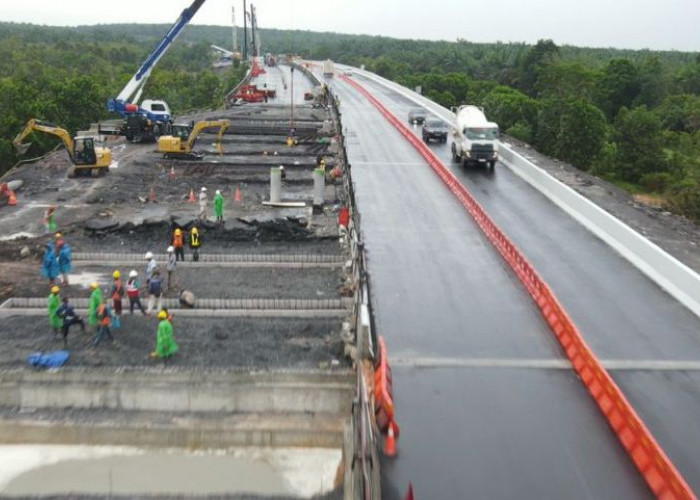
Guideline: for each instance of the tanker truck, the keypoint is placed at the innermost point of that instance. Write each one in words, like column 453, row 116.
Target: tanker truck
column 475, row 139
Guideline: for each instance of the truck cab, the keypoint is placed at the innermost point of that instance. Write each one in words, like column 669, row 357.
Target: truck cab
column 475, row 139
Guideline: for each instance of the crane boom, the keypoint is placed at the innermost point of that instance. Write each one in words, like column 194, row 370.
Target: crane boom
column 135, row 86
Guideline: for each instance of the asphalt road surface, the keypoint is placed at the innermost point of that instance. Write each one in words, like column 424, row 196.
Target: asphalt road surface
column 621, row 313
column 512, row 425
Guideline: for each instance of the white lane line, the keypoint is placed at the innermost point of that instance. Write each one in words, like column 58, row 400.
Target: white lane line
column 389, row 163
column 547, row 364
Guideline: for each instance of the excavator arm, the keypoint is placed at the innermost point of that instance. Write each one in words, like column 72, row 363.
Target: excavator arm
column 203, row 125
column 35, row 125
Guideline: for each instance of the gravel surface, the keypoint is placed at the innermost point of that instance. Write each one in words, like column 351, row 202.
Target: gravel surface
column 210, row 282
column 204, row 342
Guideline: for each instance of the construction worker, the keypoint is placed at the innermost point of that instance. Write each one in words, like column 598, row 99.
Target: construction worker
column 59, row 241
column 155, row 292
column 165, row 343
column 195, row 243
column 170, row 265
column 178, row 244
column 50, row 219
column 93, row 304
column 104, row 318
column 203, row 203
column 53, row 303
column 151, row 266
column 65, row 261
column 69, row 318
column 49, row 263
column 219, row 207
column 132, row 291
column 321, row 162
column 117, row 292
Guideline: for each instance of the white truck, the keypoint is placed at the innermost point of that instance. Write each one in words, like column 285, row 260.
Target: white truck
column 328, row 68
column 475, row 139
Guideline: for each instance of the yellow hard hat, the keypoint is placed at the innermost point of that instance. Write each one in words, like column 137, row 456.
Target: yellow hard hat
column 55, row 289
column 116, row 274
column 58, row 235
column 194, row 230
column 178, row 232
column 94, row 284
column 162, row 315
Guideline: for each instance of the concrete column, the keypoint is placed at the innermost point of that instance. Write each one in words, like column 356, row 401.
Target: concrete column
column 319, row 186
column 275, row 185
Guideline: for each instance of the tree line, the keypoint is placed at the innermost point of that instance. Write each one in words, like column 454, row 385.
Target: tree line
column 630, row 116
column 65, row 77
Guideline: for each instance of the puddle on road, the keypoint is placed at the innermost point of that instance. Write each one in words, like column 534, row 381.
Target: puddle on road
column 85, row 278
column 51, row 470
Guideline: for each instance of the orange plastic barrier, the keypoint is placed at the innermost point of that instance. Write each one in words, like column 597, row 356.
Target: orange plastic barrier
column 384, row 409
column 655, row 467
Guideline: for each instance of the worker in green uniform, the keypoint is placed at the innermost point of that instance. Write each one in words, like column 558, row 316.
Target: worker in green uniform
column 165, row 343
column 93, row 304
column 53, row 304
column 219, row 206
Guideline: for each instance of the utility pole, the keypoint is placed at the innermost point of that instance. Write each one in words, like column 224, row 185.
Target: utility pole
column 291, row 121
column 233, row 21
column 245, row 32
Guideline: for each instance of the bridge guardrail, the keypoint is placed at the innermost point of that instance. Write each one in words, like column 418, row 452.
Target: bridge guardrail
column 680, row 281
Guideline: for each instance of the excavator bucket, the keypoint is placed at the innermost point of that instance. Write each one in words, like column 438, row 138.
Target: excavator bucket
column 21, row 149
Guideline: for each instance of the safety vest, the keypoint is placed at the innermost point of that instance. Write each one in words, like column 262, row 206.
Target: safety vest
column 177, row 240
column 194, row 240
column 118, row 290
column 132, row 288
column 103, row 315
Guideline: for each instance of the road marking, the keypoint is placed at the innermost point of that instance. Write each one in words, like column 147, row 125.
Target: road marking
column 546, row 364
column 390, row 163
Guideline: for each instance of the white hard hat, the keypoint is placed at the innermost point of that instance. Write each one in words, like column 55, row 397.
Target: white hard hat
column 218, row 191
column 204, row 189
column 171, row 249
column 133, row 273
column 149, row 255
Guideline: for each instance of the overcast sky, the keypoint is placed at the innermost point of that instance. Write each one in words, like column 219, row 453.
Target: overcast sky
column 654, row 24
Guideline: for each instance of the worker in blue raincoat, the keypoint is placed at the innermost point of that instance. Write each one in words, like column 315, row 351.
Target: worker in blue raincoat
column 49, row 264
column 65, row 262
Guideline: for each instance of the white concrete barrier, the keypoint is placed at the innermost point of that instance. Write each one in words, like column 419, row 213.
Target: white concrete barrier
column 669, row 273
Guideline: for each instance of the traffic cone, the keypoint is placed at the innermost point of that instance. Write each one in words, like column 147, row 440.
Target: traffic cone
column 171, row 174
column 152, row 195
column 390, row 442
column 409, row 493
column 237, row 194
column 12, row 201
column 191, row 198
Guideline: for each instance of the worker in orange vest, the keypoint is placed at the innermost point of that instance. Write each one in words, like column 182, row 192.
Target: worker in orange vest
column 179, row 244
column 104, row 318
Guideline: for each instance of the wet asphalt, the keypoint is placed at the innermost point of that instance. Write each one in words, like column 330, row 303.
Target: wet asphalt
column 439, row 291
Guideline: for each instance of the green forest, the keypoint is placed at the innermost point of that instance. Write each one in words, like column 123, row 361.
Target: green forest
column 631, row 117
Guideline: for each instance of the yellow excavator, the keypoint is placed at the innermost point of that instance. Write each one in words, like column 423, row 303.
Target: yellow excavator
column 85, row 156
column 181, row 143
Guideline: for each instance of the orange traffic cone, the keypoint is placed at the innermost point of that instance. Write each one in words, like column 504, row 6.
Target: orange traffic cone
column 152, row 195
column 390, row 442
column 237, row 194
column 409, row 493
column 12, row 201
column 191, row 198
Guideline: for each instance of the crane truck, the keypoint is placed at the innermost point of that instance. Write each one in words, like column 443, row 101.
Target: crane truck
column 475, row 139
column 151, row 119
column 86, row 158
column 181, row 143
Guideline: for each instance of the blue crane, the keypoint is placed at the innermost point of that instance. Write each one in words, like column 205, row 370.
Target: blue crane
column 152, row 118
